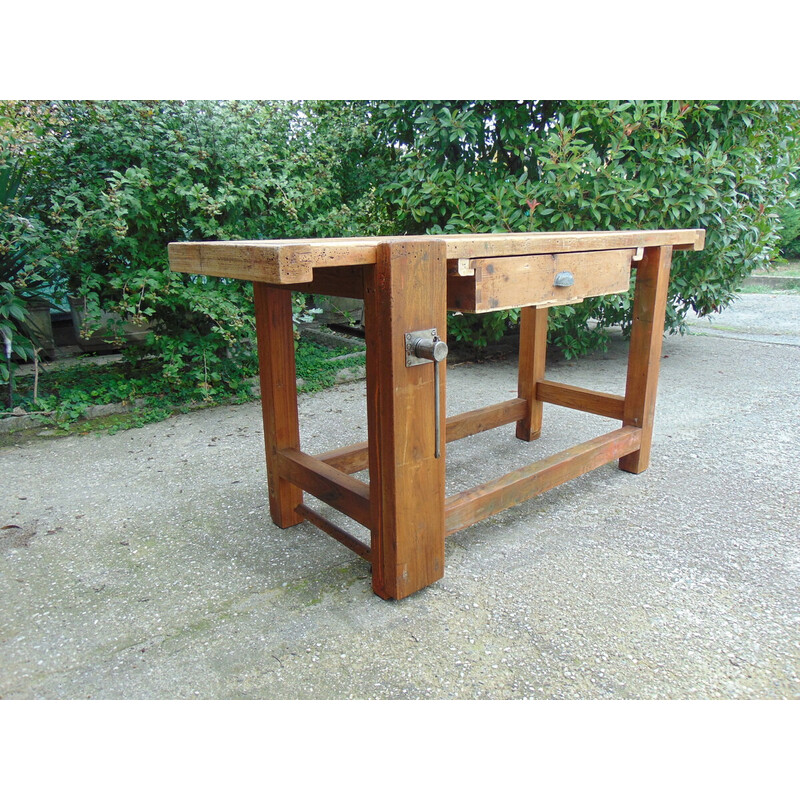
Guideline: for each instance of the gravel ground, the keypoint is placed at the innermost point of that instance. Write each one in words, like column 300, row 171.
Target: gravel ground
column 144, row 564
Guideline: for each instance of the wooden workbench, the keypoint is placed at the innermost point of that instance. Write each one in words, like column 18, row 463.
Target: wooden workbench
column 408, row 284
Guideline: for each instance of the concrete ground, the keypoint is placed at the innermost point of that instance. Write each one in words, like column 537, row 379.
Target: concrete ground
column 144, row 564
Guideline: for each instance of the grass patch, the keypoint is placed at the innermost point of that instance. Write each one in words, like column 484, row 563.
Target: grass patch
column 65, row 394
column 791, row 269
column 315, row 367
column 793, row 288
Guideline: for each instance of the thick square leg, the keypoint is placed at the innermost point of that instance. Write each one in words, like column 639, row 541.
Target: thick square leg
column 404, row 292
column 275, row 334
column 647, row 333
column 532, row 356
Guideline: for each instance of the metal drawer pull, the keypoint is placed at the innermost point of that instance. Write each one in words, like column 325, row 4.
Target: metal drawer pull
column 564, row 279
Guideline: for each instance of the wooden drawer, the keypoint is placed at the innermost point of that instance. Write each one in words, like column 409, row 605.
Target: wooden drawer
column 516, row 281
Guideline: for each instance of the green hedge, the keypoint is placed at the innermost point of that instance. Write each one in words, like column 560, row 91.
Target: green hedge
column 479, row 166
column 112, row 183
column 125, row 178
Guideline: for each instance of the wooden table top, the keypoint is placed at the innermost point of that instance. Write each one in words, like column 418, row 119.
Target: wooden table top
column 290, row 261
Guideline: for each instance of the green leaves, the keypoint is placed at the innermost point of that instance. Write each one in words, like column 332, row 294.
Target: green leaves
column 116, row 181
column 602, row 165
column 26, row 272
column 125, row 178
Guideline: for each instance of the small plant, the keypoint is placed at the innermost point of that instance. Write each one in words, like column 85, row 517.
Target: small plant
column 26, row 274
column 315, row 367
column 62, row 396
column 790, row 225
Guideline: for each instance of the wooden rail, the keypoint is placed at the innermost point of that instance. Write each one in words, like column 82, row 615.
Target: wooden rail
column 354, row 457
column 341, row 491
column 561, row 394
column 484, row 419
column 349, row 459
column 342, row 536
column 473, row 505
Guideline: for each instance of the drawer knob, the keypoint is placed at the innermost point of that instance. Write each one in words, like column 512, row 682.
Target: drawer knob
column 564, row 279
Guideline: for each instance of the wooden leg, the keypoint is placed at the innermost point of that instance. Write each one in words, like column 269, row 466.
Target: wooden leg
column 278, row 395
column 404, row 292
column 532, row 353
column 649, row 308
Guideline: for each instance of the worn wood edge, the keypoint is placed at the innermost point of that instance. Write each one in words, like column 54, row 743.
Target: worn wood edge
column 460, row 266
column 487, row 245
column 335, row 532
column 561, row 394
column 337, row 489
column 519, row 260
column 354, row 457
column 277, row 260
column 267, row 263
column 292, row 260
column 473, row 505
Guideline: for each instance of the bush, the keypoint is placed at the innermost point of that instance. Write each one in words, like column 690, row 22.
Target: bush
column 469, row 166
column 790, row 224
column 63, row 396
column 121, row 179
column 125, row 178
column 27, row 273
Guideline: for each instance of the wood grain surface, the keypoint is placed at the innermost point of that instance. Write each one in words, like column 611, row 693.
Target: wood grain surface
column 404, row 292
column 292, row 261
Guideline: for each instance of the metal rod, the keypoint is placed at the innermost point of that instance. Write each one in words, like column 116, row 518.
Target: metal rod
column 437, row 409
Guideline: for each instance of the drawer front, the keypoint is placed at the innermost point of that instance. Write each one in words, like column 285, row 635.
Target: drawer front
column 541, row 280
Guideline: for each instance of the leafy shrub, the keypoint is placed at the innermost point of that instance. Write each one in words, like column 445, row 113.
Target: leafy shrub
column 27, row 274
column 790, row 224
column 125, row 178
column 63, row 395
column 469, row 166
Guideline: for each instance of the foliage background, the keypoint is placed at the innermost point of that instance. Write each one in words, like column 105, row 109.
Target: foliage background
column 125, row 178
column 468, row 166
column 28, row 271
column 790, row 223
column 107, row 185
